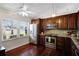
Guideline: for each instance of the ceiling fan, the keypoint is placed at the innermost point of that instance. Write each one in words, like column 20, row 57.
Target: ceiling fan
column 23, row 10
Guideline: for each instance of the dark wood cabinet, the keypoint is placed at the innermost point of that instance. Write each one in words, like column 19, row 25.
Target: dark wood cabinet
column 71, row 21
column 64, row 43
column 62, row 22
column 60, row 43
column 67, row 46
column 78, row 20
column 41, row 40
column 70, row 47
column 67, row 21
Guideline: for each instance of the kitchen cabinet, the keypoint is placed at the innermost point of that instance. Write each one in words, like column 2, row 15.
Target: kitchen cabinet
column 78, row 20
column 62, row 22
column 64, row 43
column 67, row 46
column 60, row 43
column 42, row 27
column 73, row 48
column 40, row 23
column 41, row 40
column 49, row 21
column 71, row 21
column 68, row 21
column 35, row 21
column 70, row 47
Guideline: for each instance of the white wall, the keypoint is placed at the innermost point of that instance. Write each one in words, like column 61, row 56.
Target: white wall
column 14, row 43
column 0, row 34
column 11, row 44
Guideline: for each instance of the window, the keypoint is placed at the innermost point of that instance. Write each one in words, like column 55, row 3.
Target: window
column 13, row 29
column 23, row 28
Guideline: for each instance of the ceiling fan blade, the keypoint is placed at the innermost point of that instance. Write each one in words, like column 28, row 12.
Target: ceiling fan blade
column 29, row 12
column 24, row 8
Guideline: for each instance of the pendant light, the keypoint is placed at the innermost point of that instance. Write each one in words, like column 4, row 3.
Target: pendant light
column 53, row 9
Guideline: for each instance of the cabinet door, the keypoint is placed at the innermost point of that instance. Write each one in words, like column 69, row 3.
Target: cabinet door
column 42, row 41
column 35, row 21
column 68, row 46
column 78, row 21
column 62, row 22
column 71, row 21
column 60, row 43
column 41, row 25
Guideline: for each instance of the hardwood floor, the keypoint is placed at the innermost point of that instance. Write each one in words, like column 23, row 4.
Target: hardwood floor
column 33, row 50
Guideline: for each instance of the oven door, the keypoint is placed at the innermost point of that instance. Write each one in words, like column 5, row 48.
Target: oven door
column 53, row 40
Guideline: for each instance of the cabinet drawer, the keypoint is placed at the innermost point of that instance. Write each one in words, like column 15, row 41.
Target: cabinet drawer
column 60, row 44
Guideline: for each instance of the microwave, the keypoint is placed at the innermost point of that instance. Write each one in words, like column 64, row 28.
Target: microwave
column 51, row 26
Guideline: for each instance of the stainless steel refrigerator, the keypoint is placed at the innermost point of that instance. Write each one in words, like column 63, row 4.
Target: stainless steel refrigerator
column 33, row 33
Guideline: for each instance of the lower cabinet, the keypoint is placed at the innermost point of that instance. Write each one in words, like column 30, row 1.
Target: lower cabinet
column 64, row 43
column 73, row 49
column 68, row 46
column 41, row 40
column 60, row 43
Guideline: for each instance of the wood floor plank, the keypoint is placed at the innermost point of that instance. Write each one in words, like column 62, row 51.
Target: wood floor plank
column 33, row 50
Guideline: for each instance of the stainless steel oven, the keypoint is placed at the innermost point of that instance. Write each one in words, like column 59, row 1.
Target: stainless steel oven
column 50, row 41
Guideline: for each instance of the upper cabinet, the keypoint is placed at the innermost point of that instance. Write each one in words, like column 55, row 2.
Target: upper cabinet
column 71, row 21
column 40, row 23
column 62, row 22
column 78, row 20
column 35, row 21
column 67, row 22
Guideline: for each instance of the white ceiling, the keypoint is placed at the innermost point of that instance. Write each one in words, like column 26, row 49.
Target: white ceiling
column 42, row 10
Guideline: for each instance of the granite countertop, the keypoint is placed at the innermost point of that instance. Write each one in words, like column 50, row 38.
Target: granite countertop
column 76, row 42
column 74, row 38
